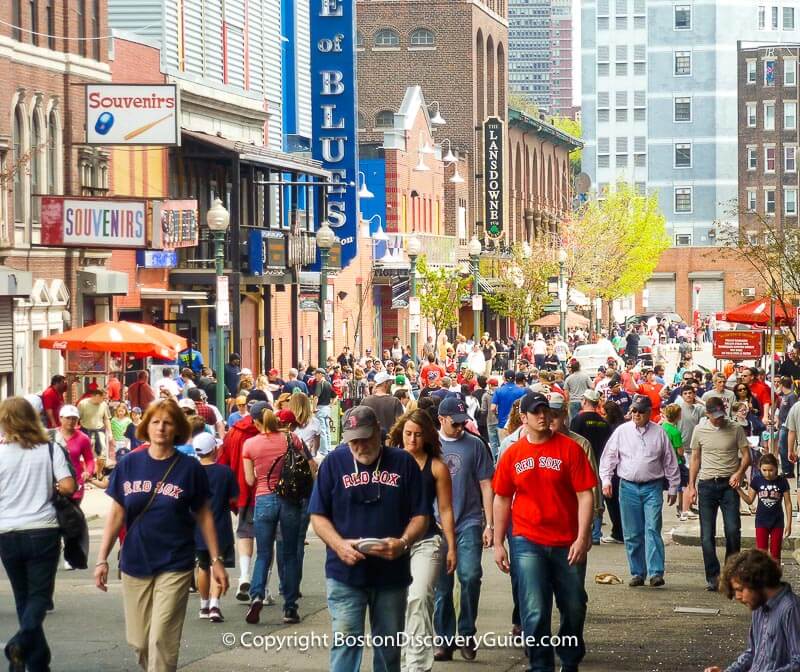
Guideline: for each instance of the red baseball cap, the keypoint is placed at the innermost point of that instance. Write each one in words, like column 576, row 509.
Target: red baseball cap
column 273, row 372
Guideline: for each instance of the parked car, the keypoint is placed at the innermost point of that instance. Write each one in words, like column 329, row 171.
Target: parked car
column 643, row 317
column 591, row 356
column 645, row 351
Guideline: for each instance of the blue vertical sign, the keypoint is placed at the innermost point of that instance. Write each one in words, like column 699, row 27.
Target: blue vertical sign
column 333, row 116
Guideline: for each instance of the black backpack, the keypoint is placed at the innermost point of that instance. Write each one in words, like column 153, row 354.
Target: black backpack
column 296, row 481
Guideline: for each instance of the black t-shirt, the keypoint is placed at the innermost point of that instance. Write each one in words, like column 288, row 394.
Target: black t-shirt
column 769, row 513
column 323, row 392
column 790, row 368
column 594, row 428
column 224, row 490
column 375, row 501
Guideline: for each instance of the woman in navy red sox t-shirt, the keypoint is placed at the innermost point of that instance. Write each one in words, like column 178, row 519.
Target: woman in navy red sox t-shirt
column 157, row 558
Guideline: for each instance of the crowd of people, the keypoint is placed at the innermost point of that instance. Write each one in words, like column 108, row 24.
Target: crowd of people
column 500, row 443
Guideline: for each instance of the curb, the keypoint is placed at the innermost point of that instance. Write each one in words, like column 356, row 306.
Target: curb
column 688, row 539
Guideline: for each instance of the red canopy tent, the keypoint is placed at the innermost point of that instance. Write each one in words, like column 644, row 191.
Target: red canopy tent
column 757, row 313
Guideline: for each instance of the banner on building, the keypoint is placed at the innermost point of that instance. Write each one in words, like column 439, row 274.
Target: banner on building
column 88, row 222
column 175, row 224
column 223, row 302
column 333, row 117
column 267, row 252
column 132, row 114
column 738, row 345
column 493, row 176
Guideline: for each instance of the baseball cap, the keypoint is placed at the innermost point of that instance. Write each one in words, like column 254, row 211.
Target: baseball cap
column 520, row 377
column 187, row 403
column 715, row 407
column 641, row 404
column 532, row 401
column 493, row 381
column 195, row 393
column 592, row 395
column 256, row 395
column 246, row 372
column 319, row 369
column 36, row 401
column 204, row 443
column 286, row 416
column 257, row 409
column 615, row 380
column 273, row 372
column 136, row 409
column 69, row 411
column 509, row 375
column 400, row 379
column 556, row 400
column 454, row 408
column 359, row 423
column 382, row 377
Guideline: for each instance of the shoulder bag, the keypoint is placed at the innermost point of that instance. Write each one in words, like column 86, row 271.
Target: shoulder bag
column 71, row 522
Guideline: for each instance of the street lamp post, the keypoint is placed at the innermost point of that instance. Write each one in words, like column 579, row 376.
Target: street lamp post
column 218, row 219
column 562, row 293
column 413, row 249
column 475, row 250
column 325, row 240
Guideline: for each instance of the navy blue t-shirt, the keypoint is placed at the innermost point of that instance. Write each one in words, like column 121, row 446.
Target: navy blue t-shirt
column 769, row 512
column 224, row 489
column 290, row 386
column 163, row 540
column 361, row 506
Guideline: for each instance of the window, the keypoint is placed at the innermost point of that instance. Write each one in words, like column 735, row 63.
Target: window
column 387, row 38
column 750, row 111
column 769, row 116
column 622, row 23
column 640, row 160
column 789, row 159
column 769, row 201
column 790, row 202
column 683, row 199
column 683, row 17
column 38, row 152
column 17, row 154
column 769, row 72
column 639, row 22
column 751, row 200
column 621, row 70
column 602, row 145
column 640, row 114
column 93, row 164
column 683, row 63
column 602, row 69
column 751, row 72
column 96, row 41
column 641, row 188
column 422, row 37
column 622, row 161
column 34, row 7
column 683, row 239
column 361, row 120
column 359, row 40
column 50, row 16
column 769, row 158
column 789, row 115
column 752, row 158
column 683, row 109
column 790, row 72
column 774, row 15
column 53, row 153
column 683, row 155
column 762, row 17
column 788, row 18
column 602, row 115
column 640, row 69
column 602, row 23
column 602, row 161
column 16, row 20
column 384, row 119
column 621, row 114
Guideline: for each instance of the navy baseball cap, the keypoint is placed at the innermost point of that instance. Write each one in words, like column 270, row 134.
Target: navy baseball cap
column 509, row 375
column 533, row 401
column 454, row 408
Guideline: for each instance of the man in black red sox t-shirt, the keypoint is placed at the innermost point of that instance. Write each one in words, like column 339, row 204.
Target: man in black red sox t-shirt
column 543, row 484
column 368, row 507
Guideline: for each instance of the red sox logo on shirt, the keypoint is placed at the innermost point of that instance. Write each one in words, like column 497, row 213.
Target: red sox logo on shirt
column 528, row 463
column 365, row 477
column 353, row 422
column 168, row 489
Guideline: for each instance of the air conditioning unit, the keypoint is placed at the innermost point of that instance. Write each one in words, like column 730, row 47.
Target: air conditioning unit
column 749, row 293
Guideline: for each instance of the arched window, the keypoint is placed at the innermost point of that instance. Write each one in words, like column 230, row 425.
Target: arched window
column 422, row 37
column 386, row 37
column 361, row 122
column 384, row 119
column 38, row 151
column 17, row 167
column 359, row 40
column 53, row 152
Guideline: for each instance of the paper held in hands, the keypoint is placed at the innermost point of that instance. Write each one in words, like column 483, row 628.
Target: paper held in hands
column 368, row 544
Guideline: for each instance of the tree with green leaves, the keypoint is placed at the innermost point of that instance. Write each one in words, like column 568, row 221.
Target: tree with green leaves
column 573, row 128
column 440, row 291
column 614, row 243
column 522, row 292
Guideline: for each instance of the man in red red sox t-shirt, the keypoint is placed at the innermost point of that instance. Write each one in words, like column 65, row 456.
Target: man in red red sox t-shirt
column 543, row 483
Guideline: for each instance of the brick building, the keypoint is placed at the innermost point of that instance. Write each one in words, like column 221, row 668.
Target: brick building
column 48, row 51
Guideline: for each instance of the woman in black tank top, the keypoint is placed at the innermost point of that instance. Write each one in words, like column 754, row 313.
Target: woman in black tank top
column 416, row 433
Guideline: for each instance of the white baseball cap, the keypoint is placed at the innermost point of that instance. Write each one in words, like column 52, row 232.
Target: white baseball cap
column 383, row 377
column 69, row 411
column 205, row 443
column 36, row 401
column 187, row 403
column 246, row 372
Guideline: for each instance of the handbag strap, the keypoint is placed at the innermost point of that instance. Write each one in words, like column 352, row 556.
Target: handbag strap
column 153, row 494
column 284, row 456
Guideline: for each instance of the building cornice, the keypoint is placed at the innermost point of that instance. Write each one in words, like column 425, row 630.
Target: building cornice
column 57, row 61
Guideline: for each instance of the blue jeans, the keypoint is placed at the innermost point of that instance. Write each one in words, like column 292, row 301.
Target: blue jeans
column 323, row 415
column 597, row 528
column 542, row 573
column 640, row 505
column 30, row 559
column 494, row 440
column 305, row 518
column 469, row 547
column 348, row 606
column 271, row 511
column 712, row 495
column 574, row 409
column 783, row 447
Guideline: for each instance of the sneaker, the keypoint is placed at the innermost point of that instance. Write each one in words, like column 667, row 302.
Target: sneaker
column 470, row 649
column 291, row 616
column 684, row 516
column 442, row 654
column 713, row 585
column 215, row 615
column 269, row 600
column 692, row 516
column 243, row 591
column 67, row 566
column 610, row 540
column 204, row 613
column 656, row 581
column 636, row 581
column 254, row 612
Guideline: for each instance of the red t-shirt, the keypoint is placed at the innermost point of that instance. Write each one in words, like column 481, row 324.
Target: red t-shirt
column 653, row 392
column 761, row 392
column 52, row 400
column 543, row 479
column 423, row 374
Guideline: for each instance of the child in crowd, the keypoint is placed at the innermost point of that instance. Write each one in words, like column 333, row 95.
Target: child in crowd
column 119, row 424
column 672, row 416
column 224, row 493
column 130, row 430
column 773, row 523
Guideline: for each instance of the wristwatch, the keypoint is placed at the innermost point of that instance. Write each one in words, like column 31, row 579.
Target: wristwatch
column 405, row 544
column 219, row 558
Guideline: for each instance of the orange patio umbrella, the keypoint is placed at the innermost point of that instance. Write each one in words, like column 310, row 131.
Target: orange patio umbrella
column 144, row 340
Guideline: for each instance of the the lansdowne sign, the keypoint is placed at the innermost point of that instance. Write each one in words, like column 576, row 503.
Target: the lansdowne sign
column 493, row 176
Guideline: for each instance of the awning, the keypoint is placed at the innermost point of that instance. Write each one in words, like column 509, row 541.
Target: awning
column 259, row 154
column 159, row 294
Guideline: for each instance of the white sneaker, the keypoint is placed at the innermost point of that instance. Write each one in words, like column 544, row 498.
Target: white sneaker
column 610, row 540
column 269, row 600
column 67, row 565
column 684, row 516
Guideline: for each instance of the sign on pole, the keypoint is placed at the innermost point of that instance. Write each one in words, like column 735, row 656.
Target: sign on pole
column 414, row 324
column 223, row 303
column 132, row 114
column 477, row 302
column 493, row 176
column 413, row 306
column 737, row 345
